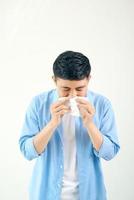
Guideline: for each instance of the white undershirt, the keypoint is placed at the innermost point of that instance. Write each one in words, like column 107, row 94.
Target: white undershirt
column 70, row 181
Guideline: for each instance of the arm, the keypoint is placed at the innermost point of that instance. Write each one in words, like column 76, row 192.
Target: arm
column 33, row 141
column 104, row 140
column 41, row 140
column 95, row 136
column 110, row 145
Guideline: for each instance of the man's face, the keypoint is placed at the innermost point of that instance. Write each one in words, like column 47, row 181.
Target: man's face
column 72, row 88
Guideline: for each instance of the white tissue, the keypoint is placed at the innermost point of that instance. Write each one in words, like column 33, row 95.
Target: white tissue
column 73, row 105
column 74, row 108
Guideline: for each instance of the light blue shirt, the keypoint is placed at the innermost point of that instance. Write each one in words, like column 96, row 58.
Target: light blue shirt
column 46, row 181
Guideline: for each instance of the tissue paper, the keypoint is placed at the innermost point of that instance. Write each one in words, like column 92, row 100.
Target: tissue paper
column 73, row 105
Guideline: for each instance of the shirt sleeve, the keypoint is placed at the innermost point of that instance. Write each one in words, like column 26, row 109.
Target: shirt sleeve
column 29, row 129
column 108, row 128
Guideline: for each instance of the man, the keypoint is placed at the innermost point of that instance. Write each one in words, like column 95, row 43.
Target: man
column 68, row 148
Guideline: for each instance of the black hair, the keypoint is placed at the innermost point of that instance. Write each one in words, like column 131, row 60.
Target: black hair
column 71, row 65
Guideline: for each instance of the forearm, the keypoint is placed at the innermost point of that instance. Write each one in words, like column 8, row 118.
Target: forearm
column 95, row 136
column 42, row 138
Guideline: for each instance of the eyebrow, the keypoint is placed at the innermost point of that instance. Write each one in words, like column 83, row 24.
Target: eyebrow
column 75, row 88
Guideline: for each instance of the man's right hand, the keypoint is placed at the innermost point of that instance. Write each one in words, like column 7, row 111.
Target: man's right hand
column 58, row 109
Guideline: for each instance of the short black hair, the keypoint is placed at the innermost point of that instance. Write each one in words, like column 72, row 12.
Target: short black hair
column 71, row 65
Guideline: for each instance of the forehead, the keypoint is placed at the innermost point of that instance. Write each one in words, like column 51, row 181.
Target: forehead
column 72, row 83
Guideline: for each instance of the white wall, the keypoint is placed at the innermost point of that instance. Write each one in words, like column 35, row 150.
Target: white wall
column 33, row 33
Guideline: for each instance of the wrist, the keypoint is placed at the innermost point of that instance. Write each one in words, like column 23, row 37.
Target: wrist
column 52, row 124
column 90, row 125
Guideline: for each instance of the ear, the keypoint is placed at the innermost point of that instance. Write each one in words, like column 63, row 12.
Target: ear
column 89, row 77
column 54, row 79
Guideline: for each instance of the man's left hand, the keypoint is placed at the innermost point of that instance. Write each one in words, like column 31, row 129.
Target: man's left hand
column 87, row 111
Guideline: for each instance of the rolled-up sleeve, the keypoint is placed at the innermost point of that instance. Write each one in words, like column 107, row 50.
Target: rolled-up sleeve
column 110, row 145
column 29, row 129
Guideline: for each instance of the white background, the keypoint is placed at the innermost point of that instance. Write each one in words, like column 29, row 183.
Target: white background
column 33, row 33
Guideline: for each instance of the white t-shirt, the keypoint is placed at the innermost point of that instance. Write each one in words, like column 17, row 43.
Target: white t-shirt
column 70, row 180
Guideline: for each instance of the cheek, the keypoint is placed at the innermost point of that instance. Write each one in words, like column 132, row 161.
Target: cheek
column 81, row 93
column 64, row 93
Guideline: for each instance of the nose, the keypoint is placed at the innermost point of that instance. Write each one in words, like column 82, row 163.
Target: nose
column 73, row 94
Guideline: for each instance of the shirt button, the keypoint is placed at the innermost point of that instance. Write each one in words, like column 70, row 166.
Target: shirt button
column 58, row 185
column 61, row 166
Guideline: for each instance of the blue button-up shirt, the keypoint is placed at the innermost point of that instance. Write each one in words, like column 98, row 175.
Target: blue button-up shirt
column 46, row 181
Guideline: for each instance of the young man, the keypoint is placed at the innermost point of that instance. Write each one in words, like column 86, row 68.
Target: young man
column 68, row 148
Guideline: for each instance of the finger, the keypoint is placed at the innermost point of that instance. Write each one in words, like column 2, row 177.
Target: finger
column 61, row 112
column 90, row 110
column 82, row 101
column 83, row 112
column 60, row 102
column 62, row 107
column 89, row 107
column 64, row 98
